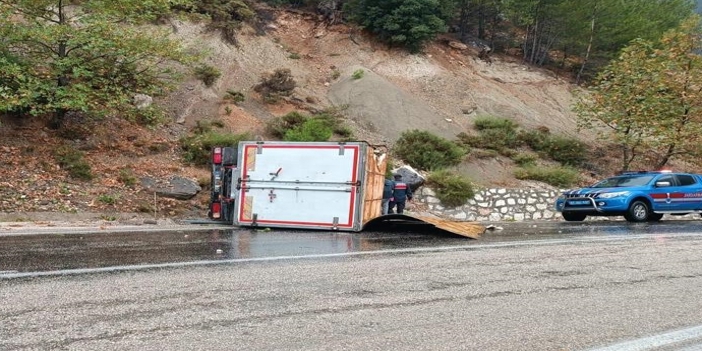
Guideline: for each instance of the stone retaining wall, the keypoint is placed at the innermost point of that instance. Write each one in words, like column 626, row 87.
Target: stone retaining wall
column 494, row 205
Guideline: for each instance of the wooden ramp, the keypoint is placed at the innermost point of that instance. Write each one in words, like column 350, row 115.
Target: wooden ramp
column 467, row 229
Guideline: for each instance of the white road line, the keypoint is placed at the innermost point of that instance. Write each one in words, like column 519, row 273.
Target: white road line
column 336, row 255
column 653, row 342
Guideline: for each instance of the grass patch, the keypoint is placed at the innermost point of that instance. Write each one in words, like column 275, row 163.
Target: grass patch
column 234, row 96
column 453, row 190
column 427, row 151
column 72, row 161
column 126, row 176
column 524, row 159
column 358, row 74
column 562, row 177
column 107, row 199
column 207, row 74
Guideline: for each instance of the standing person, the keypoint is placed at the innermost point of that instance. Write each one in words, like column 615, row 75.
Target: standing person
column 400, row 194
column 387, row 195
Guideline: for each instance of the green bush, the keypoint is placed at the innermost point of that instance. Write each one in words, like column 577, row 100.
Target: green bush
column 198, row 148
column 488, row 122
column 294, row 56
column 535, row 139
column 335, row 121
column 427, row 151
column 278, row 126
column 149, row 116
column 276, row 84
column 557, row 176
column 451, row 189
column 293, row 121
column 311, row 130
column 107, row 199
column 226, row 16
column 72, row 161
column 524, row 160
column 358, row 74
column 497, row 134
column 207, row 74
column 235, row 96
column 568, row 151
column 126, row 176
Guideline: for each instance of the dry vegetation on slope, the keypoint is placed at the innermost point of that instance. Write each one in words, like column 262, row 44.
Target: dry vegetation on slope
column 442, row 90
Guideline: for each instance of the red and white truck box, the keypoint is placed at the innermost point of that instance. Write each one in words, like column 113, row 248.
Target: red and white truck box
column 315, row 185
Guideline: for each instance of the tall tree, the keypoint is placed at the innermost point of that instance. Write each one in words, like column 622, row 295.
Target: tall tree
column 477, row 18
column 82, row 55
column 596, row 29
column 650, row 98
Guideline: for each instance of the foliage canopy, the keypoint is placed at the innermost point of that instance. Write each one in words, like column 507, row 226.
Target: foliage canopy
column 406, row 23
column 84, row 55
column 650, row 98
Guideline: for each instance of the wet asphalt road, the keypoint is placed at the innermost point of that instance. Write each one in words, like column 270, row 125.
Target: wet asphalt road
column 58, row 252
column 542, row 286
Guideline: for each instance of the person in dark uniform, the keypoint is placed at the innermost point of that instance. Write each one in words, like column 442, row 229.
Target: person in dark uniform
column 387, row 195
column 401, row 193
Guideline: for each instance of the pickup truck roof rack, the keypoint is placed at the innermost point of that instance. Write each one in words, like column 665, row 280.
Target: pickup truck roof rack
column 644, row 172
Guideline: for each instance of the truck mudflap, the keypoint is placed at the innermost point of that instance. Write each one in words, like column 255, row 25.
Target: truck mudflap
column 467, row 229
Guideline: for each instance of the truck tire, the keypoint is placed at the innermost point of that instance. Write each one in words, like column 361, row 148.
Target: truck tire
column 638, row 211
column 574, row 217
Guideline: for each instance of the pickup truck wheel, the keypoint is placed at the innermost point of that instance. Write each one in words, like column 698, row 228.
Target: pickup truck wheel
column 574, row 217
column 654, row 217
column 638, row 212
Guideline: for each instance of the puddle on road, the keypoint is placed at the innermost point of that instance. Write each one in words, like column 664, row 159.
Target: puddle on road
column 34, row 253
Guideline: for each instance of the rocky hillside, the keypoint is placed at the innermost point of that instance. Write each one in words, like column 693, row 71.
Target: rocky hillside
column 441, row 90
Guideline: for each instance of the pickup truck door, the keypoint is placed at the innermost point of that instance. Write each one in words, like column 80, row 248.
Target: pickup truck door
column 663, row 193
column 689, row 192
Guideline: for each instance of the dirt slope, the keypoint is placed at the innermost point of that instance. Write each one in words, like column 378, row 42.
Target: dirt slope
column 442, row 90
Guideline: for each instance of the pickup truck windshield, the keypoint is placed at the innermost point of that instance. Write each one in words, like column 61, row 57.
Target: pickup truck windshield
column 624, row 181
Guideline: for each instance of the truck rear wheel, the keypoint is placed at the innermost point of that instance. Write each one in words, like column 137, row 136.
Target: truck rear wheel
column 574, row 217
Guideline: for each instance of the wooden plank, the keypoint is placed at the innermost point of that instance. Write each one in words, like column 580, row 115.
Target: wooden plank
column 468, row 229
column 376, row 162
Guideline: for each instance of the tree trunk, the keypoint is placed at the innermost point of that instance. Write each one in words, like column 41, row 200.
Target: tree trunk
column 666, row 157
column 589, row 44
column 481, row 20
column 62, row 80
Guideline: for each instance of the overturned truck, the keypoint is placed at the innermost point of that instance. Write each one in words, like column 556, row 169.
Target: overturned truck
column 307, row 185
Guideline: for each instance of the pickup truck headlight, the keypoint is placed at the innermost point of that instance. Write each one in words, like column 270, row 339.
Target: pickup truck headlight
column 560, row 197
column 614, row 194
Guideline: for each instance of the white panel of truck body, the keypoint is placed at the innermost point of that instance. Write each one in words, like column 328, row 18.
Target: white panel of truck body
column 300, row 185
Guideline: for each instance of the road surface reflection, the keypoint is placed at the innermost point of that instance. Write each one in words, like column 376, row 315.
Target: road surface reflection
column 32, row 253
